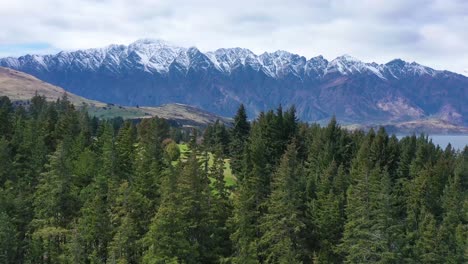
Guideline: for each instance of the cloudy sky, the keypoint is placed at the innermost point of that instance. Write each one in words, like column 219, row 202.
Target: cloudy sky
column 431, row 32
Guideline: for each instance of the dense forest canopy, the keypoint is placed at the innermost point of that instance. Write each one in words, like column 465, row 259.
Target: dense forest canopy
column 75, row 189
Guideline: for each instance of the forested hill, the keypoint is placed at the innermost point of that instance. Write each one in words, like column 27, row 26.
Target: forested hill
column 75, row 189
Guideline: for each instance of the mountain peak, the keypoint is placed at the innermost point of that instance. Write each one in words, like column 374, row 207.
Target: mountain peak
column 150, row 41
column 282, row 53
column 347, row 58
column 396, row 62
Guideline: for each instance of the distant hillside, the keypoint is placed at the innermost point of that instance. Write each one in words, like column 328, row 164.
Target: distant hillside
column 426, row 126
column 19, row 86
column 183, row 115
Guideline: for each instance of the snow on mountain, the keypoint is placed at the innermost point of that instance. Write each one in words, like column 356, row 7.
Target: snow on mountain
column 228, row 59
column 347, row 64
column 156, row 56
column 398, row 68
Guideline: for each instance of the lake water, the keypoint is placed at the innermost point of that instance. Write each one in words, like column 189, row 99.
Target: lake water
column 457, row 141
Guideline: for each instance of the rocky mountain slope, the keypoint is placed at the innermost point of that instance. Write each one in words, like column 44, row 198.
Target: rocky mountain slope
column 151, row 72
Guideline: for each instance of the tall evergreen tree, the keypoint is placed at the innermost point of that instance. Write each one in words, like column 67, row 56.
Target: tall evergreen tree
column 246, row 213
column 93, row 231
column 125, row 212
column 283, row 224
column 124, row 148
column 149, row 160
column 216, row 135
column 453, row 230
column 179, row 231
column 6, row 167
column 55, row 205
column 368, row 235
column 326, row 215
column 8, row 239
column 6, row 117
column 221, row 209
column 426, row 246
column 239, row 135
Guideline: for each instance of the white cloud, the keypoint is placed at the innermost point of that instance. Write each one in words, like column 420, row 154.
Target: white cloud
column 432, row 32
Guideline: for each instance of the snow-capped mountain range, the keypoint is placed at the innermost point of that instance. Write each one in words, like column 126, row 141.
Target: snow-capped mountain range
column 153, row 72
column 156, row 56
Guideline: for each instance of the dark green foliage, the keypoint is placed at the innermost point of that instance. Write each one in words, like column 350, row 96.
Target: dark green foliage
column 6, row 114
column 326, row 214
column 75, row 189
column 246, row 213
column 239, row 135
column 8, row 239
column 221, row 209
column 371, row 233
column 452, row 237
column 125, row 150
column 127, row 209
column 216, row 135
column 5, row 161
column 283, row 224
column 180, row 229
column 55, row 204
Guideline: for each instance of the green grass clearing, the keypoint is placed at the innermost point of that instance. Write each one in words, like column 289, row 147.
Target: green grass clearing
column 228, row 176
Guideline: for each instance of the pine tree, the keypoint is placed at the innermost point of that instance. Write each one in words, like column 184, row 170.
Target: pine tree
column 8, row 239
column 326, row 215
column 360, row 244
column 6, row 122
column 452, row 235
column 85, row 167
column 125, row 212
column 283, row 224
column 221, row 209
column 124, row 148
column 426, row 245
column 6, row 166
column 239, row 135
column 369, row 229
column 149, row 160
column 254, row 188
column 246, row 213
column 386, row 224
column 215, row 136
column 55, row 204
column 290, row 124
column 180, row 231
column 329, row 144
column 165, row 236
column 93, row 231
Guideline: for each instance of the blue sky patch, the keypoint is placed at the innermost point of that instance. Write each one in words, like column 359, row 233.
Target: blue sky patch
column 25, row 48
